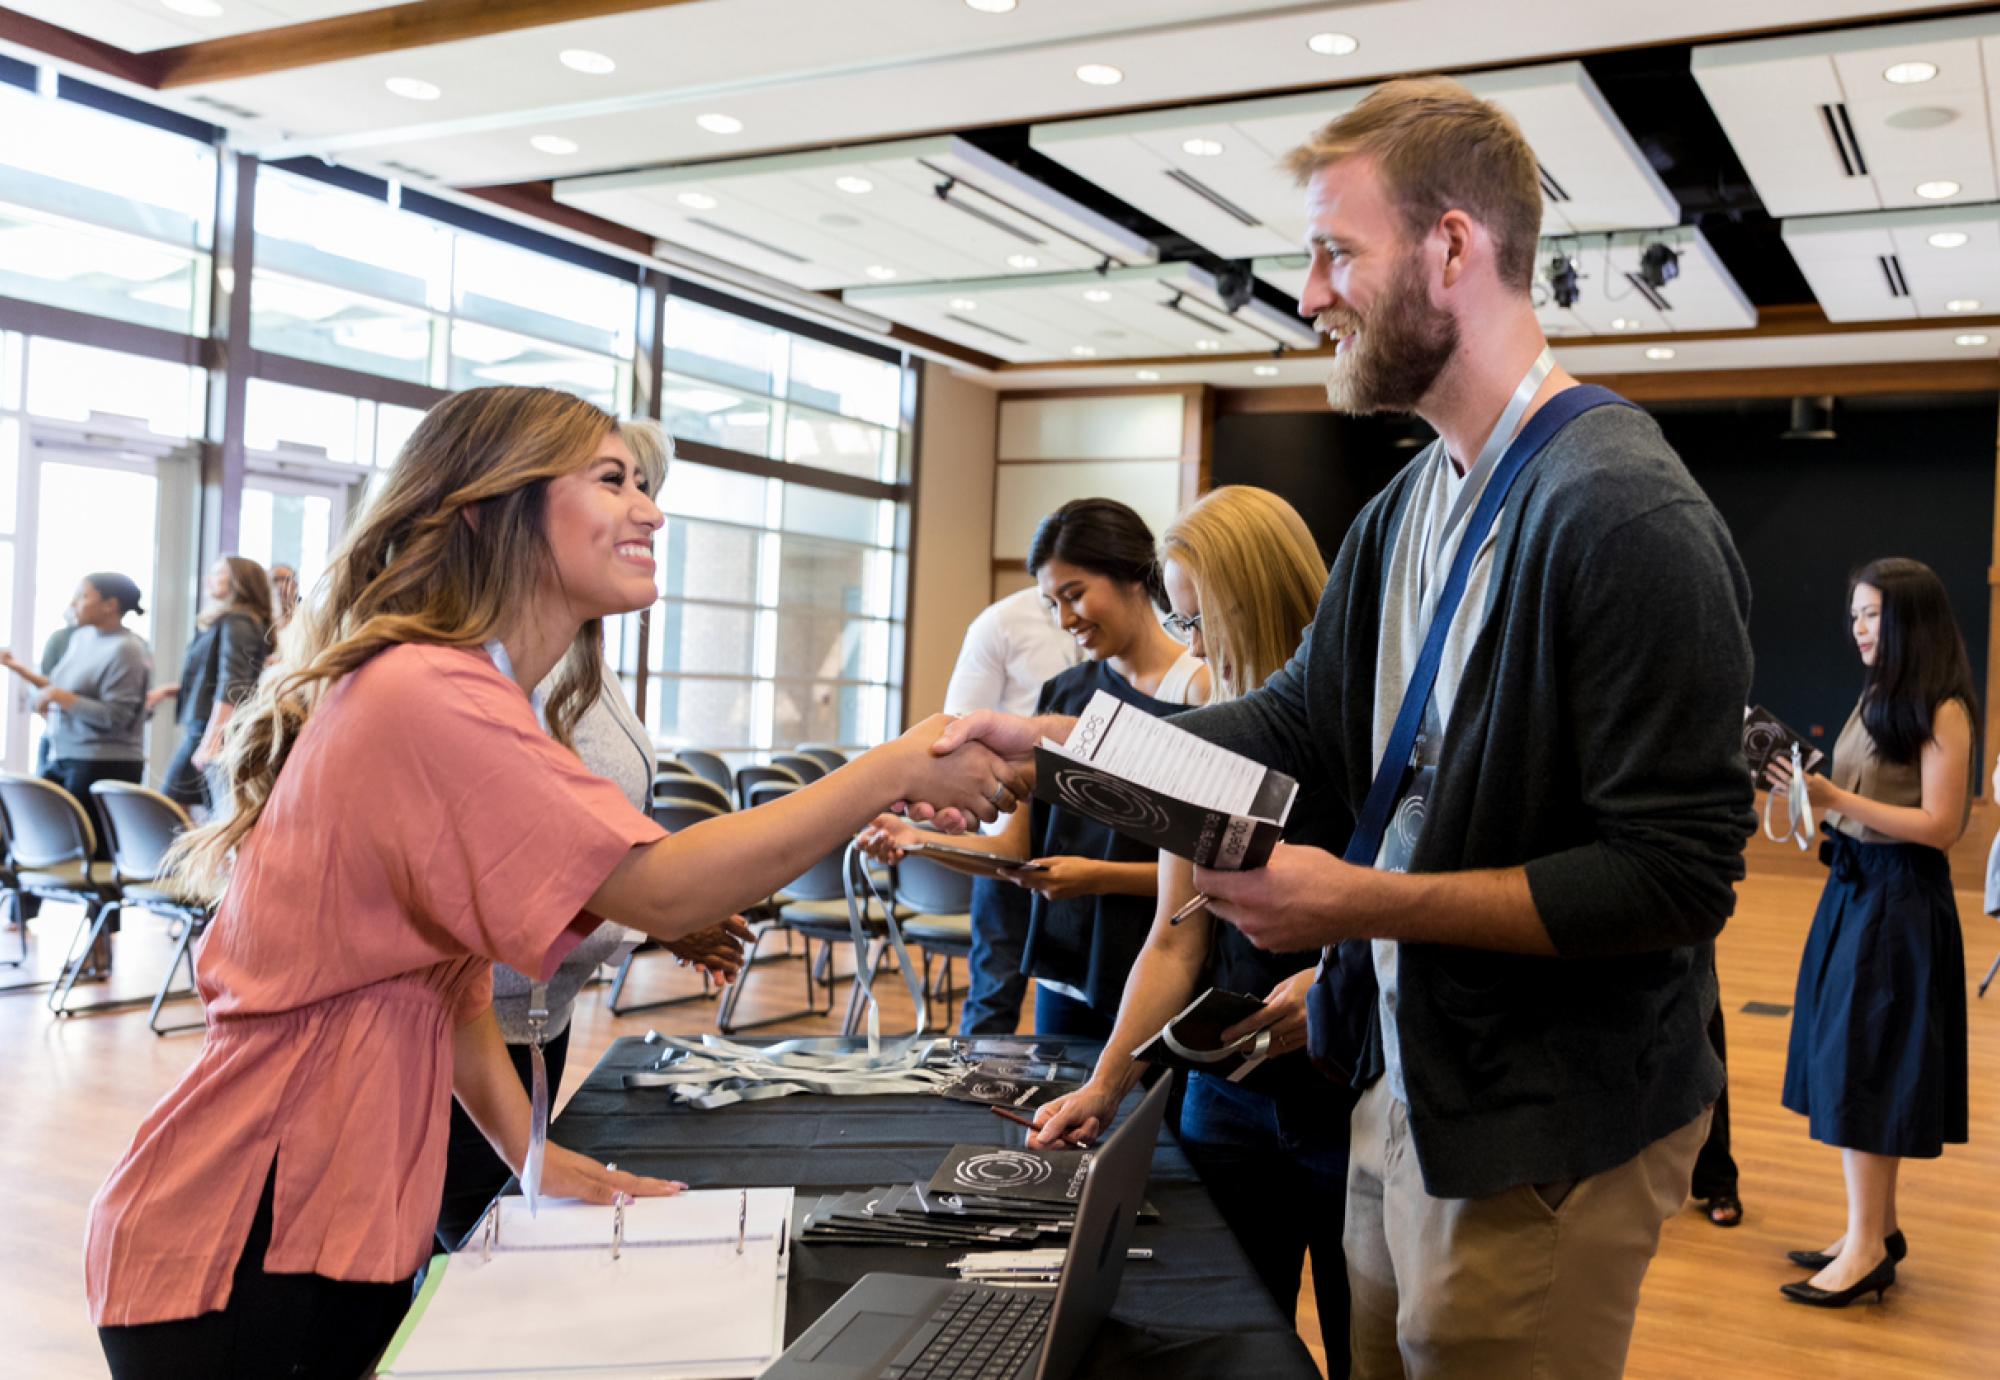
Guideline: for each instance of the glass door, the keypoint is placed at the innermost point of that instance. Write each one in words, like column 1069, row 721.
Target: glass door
column 294, row 520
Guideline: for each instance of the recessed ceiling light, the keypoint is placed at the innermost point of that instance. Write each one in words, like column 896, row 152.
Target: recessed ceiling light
column 1083, row 352
column 1968, row 340
column 1099, row 74
column 589, row 63
column 1147, row 375
column 1909, row 73
column 1619, row 323
column 1201, row 148
column 881, row 273
column 719, row 124
column 698, row 201
column 991, row 6
column 1938, row 190
column 412, row 89
column 1266, row 371
column 1097, row 295
column 964, row 304
column 1962, row 304
column 855, row 185
column 1333, row 45
column 1948, row 239
column 1660, row 352
column 553, row 143
column 199, row 9
column 1023, row 261
column 1205, row 344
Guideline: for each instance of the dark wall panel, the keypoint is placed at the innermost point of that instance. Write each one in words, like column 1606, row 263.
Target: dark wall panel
column 1904, row 477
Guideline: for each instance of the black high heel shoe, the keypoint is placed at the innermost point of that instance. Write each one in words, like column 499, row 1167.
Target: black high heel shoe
column 1876, row 1282
column 1819, row 1260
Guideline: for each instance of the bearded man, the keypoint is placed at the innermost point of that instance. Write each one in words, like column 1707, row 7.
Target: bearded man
column 1570, row 825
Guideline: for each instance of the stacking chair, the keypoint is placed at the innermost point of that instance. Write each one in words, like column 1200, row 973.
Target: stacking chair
column 707, row 766
column 142, row 826
column 693, row 789
column 939, row 900
column 828, row 756
column 671, row 766
column 747, row 778
column 673, row 816
column 807, row 769
column 52, row 842
column 11, row 896
column 763, row 792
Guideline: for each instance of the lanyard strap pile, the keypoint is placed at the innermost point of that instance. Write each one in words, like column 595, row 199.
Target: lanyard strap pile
column 1798, row 807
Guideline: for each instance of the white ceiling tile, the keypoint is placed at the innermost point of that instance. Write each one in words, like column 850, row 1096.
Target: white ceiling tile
column 1843, row 260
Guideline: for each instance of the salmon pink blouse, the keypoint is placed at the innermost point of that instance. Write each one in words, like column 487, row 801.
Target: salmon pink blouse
column 423, row 828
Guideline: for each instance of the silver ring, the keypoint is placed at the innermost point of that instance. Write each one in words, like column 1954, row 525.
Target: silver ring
column 999, row 791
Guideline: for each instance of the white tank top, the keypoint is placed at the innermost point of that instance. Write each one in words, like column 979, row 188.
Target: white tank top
column 1179, row 680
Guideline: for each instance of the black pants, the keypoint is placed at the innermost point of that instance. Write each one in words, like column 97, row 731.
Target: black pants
column 185, row 784
column 273, row 1325
column 1715, row 1167
column 473, row 1174
column 75, row 774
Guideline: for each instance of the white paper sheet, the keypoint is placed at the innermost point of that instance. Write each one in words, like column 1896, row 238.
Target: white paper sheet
column 1152, row 753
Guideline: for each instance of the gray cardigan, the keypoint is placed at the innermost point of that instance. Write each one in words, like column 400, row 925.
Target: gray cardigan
column 1595, row 740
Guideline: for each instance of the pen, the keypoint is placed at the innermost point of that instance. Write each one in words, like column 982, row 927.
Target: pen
column 1028, row 1122
column 1189, row 909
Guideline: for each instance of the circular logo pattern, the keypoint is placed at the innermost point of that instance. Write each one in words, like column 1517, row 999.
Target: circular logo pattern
column 995, row 1090
column 1408, row 823
column 1121, row 806
column 1761, row 740
column 1002, row 1169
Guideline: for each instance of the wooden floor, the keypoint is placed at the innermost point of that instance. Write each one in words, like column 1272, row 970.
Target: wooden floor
column 75, row 1089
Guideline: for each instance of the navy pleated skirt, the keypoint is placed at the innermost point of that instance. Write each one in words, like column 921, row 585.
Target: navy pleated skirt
column 1878, row 1050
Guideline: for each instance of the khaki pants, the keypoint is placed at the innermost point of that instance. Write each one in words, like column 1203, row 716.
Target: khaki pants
column 1537, row 1282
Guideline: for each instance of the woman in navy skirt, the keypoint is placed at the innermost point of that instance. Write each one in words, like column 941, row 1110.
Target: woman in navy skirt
column 1878, row 1050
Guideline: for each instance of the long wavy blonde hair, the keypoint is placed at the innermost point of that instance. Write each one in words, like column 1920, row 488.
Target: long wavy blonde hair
column 1259, row 572
column 450, row 549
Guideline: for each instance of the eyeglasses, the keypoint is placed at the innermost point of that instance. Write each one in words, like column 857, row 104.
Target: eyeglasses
column 1181, row 627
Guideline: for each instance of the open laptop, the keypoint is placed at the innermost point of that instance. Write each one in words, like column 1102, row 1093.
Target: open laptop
column 912, row 1327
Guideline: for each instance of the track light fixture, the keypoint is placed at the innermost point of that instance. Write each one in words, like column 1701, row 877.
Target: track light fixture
column 1562, row 277
column 1658, row 265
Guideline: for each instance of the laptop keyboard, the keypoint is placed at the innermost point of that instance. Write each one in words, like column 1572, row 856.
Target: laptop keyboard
column 976, row 1334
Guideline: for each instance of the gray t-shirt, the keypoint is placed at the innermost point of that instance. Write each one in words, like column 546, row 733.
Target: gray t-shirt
column 109, row 673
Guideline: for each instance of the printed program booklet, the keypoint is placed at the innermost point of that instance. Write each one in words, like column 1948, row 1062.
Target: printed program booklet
column 1165, row 787
column 1766, row 736
column 1193, row 1039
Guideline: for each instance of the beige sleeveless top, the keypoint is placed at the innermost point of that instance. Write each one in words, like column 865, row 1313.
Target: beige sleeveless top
column 1858, row 767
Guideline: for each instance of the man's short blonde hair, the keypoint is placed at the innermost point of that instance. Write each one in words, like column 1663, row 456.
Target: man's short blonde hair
column 1441, row 148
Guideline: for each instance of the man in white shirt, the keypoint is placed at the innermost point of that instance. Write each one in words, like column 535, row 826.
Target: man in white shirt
column 1010, row 649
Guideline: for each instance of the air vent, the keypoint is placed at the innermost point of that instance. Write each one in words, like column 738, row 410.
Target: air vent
column 1649, row 292
column 750, row 240
column 1213, row 197
column 1551, row 188
column 1892, row 269
column 984, row 329
column 226, row 107
column 1840, row 129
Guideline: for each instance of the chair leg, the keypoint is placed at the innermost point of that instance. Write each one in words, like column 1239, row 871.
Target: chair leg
column 1988, row 982
column 725, row 1015
column 625, row 971
column 183, row 953
column 20, row 926
column 96, row 918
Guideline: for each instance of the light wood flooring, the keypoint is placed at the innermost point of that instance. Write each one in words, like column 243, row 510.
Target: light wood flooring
column 73, row 1091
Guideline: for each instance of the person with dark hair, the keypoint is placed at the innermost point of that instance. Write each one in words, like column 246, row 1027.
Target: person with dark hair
column 1877, row 1061
column 231, row 643
column 1096, row 565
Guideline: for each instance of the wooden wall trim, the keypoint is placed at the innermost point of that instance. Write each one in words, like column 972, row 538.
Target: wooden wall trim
column 66, row 45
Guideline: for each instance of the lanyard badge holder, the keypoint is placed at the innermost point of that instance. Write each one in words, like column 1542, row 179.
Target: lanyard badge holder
column 538, row 1106
column 1799, row 827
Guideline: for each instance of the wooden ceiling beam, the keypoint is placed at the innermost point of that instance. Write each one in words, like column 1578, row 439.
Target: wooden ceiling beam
column 66, row 45
column 369, row 32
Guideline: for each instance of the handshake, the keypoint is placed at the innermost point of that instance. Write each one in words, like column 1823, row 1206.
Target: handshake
column 967, row 770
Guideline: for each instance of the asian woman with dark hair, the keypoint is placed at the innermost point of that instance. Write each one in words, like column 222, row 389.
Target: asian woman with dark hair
column 1878, row 1045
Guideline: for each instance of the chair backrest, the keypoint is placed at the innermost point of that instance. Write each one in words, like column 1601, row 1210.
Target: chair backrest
column 707, row 766
column 764, row 792
column 142, row 825
column 671, row 766
column 676, row 815
column 691, row 788
column 822, row 881
column 928, row 886
column 828, row 756
column 807, row 769
column 48, row 825
column 749, row 778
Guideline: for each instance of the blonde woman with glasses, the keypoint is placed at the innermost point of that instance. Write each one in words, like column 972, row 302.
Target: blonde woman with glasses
column 407, row 811
column 1244, row 576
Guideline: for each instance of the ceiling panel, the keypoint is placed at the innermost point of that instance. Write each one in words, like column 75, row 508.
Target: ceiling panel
column 142, row 25
column 1211, row 172
column 914, row 211
column 1128, row 313
column 1703, row 297
column 1820, row 128
column 1885, row 265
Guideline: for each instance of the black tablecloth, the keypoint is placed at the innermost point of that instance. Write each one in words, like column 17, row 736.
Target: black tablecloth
column 1195, row 1309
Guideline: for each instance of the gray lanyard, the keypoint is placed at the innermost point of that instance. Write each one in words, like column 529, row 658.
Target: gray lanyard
column 538, row 1008
column 1496, row 445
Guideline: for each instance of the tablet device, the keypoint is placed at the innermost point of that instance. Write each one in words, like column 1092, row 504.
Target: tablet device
column 972, row 860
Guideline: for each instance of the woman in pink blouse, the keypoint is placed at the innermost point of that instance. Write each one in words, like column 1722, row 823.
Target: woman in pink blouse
column 403, row 820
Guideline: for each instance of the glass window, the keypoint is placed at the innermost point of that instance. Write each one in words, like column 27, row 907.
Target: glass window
column 307, row 320
column 71, row 382
column 102, row 272
column 307, row 229
column 846, row 516
column 703, row 491
column 835, row 443
column 703, row 638
column 727, row 349
column 836, row 380
column 277, row 416
column 713, row 714
column 482, row 355
column 10, row 477
column 692, row 410
column 707, row 561
column 393, row 426
column 89, row 165
column 520, row 290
